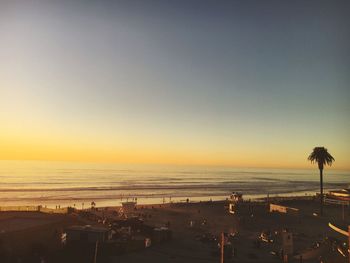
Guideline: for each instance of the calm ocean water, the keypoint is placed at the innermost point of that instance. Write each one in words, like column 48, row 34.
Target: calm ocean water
column 58, row 183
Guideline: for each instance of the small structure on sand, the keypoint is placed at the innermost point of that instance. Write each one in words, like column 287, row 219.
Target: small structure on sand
column 87, row 233
column 161, row 234
column 284, row 209
column 128, row 207
column 235, row 199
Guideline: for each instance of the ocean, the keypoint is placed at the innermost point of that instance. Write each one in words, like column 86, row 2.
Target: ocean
column 78, row 184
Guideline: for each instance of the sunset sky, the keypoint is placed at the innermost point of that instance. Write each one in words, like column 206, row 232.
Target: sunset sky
column 237, row 83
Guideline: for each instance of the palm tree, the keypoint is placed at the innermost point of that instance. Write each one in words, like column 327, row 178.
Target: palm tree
column 321, row 156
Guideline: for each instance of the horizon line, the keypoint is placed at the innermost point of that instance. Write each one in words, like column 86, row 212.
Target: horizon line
column 174, row 164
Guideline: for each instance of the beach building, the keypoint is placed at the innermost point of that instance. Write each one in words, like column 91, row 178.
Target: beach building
column 87, row 233
column 128, row 207
column 161, row 234
column 235, row 199
column 342, row 194
column 339, row 197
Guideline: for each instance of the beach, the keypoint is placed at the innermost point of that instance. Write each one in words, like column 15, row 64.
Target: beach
column 193, row 226
column 40, row 201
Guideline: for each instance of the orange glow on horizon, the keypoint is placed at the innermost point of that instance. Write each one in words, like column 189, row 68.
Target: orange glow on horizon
column 51, row 150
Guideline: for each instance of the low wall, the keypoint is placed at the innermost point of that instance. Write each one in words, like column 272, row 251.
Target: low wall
column 33, row 209
column 19, row 208
column 63, row 210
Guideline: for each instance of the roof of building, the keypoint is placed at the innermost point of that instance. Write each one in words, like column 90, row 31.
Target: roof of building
column 340, row 193
column 129, row 203
column 88, row 228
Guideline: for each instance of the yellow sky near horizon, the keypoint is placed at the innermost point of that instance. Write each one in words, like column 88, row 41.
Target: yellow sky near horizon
column 104, row 150
column 33, row 135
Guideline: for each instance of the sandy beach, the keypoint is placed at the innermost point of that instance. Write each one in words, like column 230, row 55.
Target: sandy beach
column 253, row 219
column 193, row 226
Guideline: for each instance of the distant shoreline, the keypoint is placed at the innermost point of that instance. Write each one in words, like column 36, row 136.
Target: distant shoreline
column 50, row 209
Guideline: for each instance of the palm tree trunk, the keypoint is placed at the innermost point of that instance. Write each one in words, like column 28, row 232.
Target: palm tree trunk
column 321, row 191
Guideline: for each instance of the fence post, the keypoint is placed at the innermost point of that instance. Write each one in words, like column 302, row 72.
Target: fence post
column 95, row 256
column 222, row 247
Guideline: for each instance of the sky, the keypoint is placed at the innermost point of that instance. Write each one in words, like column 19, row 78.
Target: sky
column 234, row 83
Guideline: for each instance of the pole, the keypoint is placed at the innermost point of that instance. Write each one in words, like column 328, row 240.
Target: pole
column 222, row 247
column 95, row 257
column 343, row 210
column 321, row 190
column 349, row 241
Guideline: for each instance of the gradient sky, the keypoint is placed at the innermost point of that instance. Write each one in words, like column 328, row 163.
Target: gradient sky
column 240, row 83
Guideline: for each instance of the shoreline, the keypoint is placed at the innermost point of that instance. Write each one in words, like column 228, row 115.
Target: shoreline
column 271, row 198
